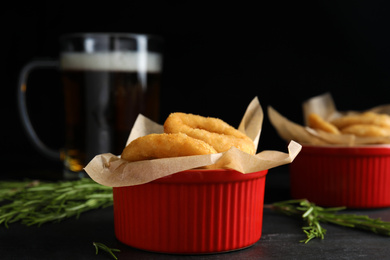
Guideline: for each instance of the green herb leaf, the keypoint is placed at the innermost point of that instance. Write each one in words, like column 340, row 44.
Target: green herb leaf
column 106, row 249
column 37, row 202
column 313, row 215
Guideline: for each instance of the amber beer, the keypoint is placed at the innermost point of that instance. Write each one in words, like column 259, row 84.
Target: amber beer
column 104, row 93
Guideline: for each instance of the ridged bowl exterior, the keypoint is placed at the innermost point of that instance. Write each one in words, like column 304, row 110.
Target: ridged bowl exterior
column 192, row 212
column 355, row 177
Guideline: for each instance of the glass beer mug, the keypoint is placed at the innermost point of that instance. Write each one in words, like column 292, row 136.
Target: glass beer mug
column 108, row 79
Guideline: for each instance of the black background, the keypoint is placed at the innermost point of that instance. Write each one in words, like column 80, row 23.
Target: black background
column 218, row 57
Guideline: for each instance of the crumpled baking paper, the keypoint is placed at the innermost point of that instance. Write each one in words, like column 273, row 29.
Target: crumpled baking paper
column 324, row 106
column 110, row 170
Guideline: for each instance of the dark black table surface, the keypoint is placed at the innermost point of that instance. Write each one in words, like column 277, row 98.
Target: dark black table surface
column 73, row 238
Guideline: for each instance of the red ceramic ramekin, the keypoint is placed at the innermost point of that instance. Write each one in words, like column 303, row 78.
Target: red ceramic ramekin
column 355, row 177
column 192, row 212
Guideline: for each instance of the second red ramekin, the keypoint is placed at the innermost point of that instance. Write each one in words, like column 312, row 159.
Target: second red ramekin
column 355, row 177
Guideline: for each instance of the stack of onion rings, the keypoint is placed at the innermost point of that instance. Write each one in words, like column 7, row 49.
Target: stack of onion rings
column 367, row 124
column 185, row 135
column 367, row 118
column 211, row 130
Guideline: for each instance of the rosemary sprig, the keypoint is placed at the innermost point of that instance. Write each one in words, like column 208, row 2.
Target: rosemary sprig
column 314, row 214
column 37, row 202
column 105, row 248
column 7, row 188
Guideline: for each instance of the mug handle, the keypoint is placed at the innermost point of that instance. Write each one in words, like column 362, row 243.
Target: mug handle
column 22, row 89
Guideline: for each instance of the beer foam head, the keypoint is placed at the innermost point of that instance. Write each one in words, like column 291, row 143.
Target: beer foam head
column 112, row 61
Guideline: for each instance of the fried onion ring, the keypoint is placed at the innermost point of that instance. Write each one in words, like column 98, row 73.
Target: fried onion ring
column 213, row 131
column 317, row 122
column 366, row 130
column 367, row 118
column 155, row 146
